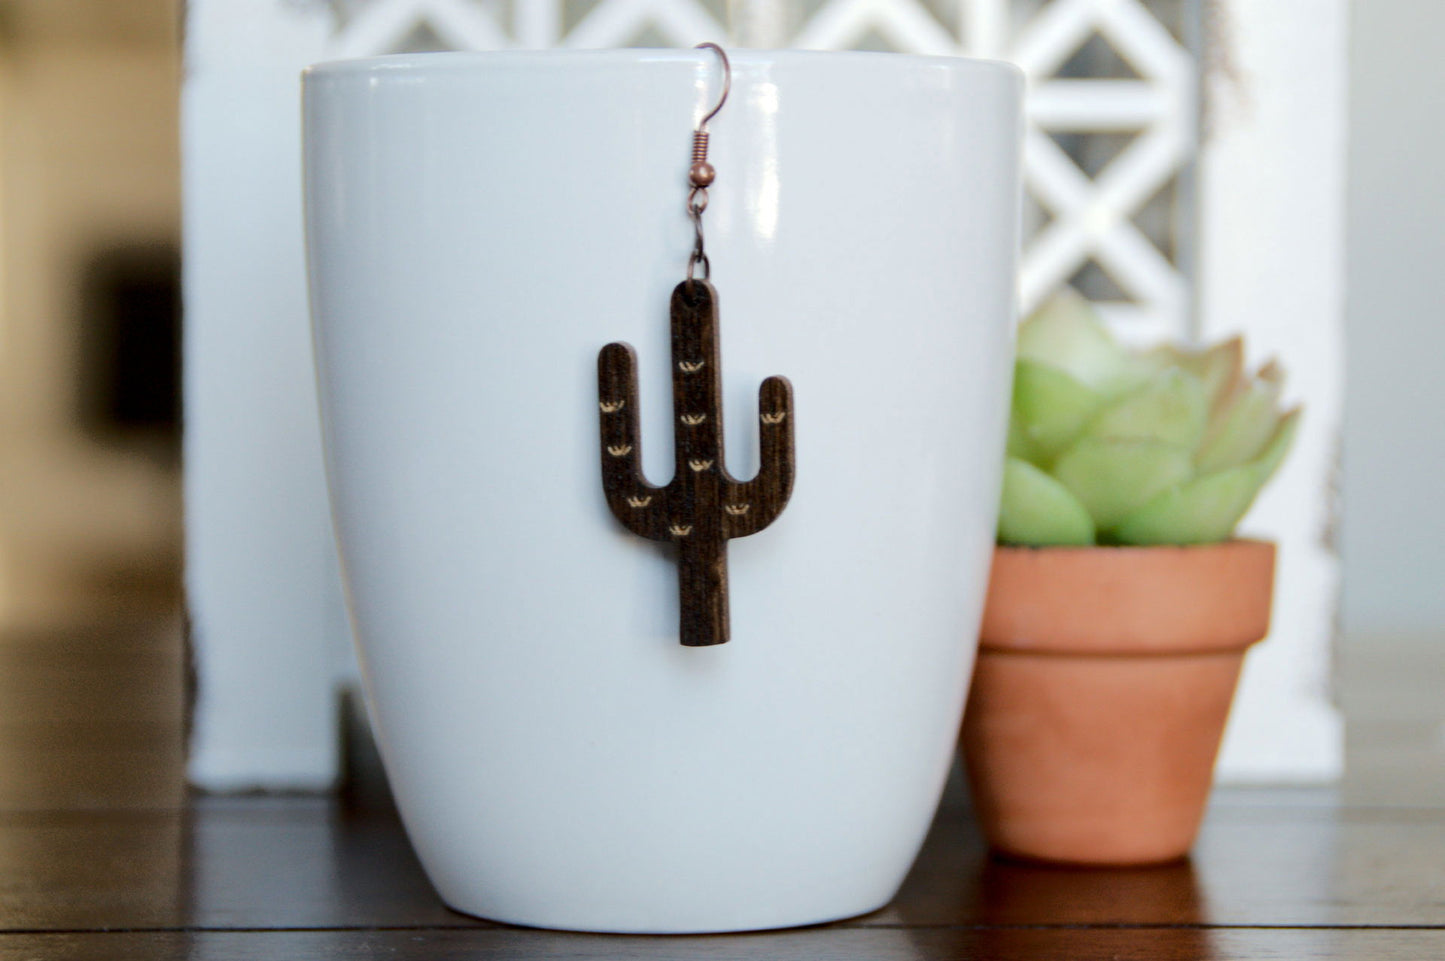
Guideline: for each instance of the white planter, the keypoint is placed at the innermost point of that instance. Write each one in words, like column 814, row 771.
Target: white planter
column 480, row 225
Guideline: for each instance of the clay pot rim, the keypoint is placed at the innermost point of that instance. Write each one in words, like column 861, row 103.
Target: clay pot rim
column 1131, row 548
column 1128, row 600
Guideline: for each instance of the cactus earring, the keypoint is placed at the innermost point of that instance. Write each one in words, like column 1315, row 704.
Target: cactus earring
column 703, row 507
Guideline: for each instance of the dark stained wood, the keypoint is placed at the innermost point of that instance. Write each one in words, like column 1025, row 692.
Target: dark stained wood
column 822, row 944
column 703, row 506
column 228, row 863
column 91, row 715
column 1303, row 864
column 308, row 863
column 1276, row 873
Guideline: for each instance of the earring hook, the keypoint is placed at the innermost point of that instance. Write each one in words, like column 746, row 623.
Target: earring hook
column 702, row 174
column 727, row 81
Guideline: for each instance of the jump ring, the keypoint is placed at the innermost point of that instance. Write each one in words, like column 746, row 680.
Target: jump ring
column 699, row 258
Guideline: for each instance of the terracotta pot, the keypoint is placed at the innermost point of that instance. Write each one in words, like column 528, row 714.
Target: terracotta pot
column 1104, row 678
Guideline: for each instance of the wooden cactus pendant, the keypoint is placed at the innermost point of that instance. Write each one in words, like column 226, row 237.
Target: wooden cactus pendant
column 703, row 507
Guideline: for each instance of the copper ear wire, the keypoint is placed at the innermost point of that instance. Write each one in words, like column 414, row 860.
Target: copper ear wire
column 701, row 174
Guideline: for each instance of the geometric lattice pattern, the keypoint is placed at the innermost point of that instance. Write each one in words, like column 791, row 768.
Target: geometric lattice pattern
column 1112, row 104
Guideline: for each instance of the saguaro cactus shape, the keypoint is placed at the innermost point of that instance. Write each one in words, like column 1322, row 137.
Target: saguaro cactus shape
column 703, row 507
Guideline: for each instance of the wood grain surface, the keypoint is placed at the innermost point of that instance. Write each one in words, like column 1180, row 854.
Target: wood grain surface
column 228, row 877
column 129, row 875
column 821, row 945
column 92, row 715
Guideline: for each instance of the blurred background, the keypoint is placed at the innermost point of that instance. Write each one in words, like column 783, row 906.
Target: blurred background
column 91, row 657
column 100, row 689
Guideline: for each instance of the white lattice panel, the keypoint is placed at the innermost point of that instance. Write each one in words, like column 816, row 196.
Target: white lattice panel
column 1090, row 218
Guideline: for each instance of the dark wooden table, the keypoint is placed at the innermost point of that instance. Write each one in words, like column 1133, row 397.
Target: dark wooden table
column 1276, row 874
column 102, row 857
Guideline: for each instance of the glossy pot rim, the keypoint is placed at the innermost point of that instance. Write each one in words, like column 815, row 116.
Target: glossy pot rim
column 404, row 65
column 1122, row 601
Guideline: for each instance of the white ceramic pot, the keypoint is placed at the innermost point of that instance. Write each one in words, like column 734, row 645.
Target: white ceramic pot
column 479, row 226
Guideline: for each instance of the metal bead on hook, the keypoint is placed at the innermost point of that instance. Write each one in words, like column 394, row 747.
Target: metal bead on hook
column 701, row 174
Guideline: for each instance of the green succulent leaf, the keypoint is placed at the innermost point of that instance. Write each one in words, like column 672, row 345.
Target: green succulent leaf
column 1051, row 407
column 1279, row 445
column 1067, row 335
column 1208, row 509
column 1172, row 409
column 1019, row 444
column 1109, row 444
column 1219, row 368
column 1202, row 511
column 1114, row 478
column 1038, row 510
column 1243, row 423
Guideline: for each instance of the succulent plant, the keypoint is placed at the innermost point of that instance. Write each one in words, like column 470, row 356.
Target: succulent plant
column 1109, row 445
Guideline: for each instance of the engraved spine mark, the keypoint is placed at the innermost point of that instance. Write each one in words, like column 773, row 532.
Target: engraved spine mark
column 680, row 530
column 777, row 417
column 699, row 465
column 737, row 510
column 620, row 450
column 692, row 420
column 639, row 501
column 611, row 406
column 690, row 367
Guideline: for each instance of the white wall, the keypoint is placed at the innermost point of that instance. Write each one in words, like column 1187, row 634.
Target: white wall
column 1271, row 263
column 1393, row 657
column 261, row 577
column 1394, row 475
